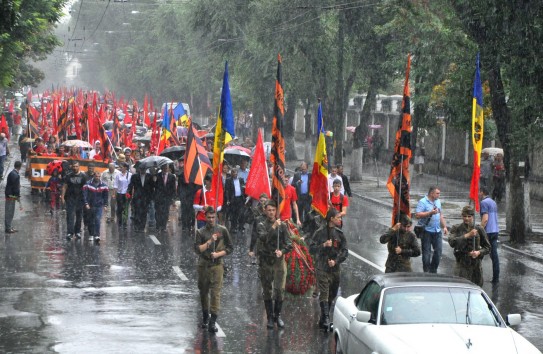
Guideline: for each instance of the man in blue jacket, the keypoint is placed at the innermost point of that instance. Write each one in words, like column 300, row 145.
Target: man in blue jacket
column 95, row 197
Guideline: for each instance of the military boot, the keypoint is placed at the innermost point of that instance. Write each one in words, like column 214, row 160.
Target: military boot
column 269, row 312
column 205, row 318
column 325, row 318
column 211, row 327
column 277, row 314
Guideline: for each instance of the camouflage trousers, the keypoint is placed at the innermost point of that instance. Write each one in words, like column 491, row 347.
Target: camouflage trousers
column 273, row 279
column 210, row 285
column 472, row 272
column 328, row 284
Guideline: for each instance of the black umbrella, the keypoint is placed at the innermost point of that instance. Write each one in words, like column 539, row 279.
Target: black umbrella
column 153, row 161
column 174, row 152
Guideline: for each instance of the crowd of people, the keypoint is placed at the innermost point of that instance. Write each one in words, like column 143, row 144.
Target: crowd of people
column 134, row 194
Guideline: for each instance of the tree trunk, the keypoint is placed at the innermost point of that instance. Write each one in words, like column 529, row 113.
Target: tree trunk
column 288, row 132
column 339, row 117
column 502, row 117
column 308, row 133
column 361, row 132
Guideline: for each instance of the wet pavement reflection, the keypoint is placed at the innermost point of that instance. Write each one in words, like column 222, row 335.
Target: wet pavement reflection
column 127, row 294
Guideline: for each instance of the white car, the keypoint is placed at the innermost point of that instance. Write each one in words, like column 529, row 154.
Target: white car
column 411, row 313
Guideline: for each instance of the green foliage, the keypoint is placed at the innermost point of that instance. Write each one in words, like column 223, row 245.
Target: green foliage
column 26, row 33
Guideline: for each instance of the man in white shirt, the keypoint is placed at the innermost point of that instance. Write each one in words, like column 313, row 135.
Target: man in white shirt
column 96, row 150
column 108, row 177
column 331, row 178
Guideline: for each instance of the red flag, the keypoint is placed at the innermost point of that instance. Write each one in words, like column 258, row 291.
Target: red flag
column 4, row 126
column 197, row 163
column 258, row 181
column 398, row 181
column 77, row 118
column 146, row 112
column 11, row 106
column 55, row 114
column 277, row 156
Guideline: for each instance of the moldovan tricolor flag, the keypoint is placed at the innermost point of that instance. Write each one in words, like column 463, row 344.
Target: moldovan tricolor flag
column 258, row 181
column 477, row 128
column 277, row 156
column 398, row 180
column 224, row 133
column 318, row 188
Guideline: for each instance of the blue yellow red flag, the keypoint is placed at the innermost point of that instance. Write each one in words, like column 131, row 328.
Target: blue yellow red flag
column 180, row 115
column 318, row 188
column 477, row 129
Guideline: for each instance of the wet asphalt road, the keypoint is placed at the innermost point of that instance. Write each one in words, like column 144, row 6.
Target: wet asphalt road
column 135, row 293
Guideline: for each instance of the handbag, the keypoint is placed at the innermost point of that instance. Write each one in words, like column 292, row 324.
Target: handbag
column 419, row 228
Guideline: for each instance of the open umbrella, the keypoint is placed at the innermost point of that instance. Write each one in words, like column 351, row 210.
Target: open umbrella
column 493, row 151
column 154, row 161
column 240, row 148
column 142, row 139
column 78, row 143
column 234, row 156
column 174, row 152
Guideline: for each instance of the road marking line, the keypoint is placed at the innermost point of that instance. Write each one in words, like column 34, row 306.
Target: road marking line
column 179, row 273
column 154, row 239
column 220, row 332
column 382, row 269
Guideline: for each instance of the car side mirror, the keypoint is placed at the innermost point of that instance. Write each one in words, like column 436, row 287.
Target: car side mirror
column 363, row 316
column 513, row 319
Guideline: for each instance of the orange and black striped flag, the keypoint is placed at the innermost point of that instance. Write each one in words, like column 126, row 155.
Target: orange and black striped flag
column 398, row 180
column 33, row 116
column 277, row 156
column 197, row 163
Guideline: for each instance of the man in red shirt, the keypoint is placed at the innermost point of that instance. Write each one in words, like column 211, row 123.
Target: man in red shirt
column 339, row 201
column 290, row 203
column 204, row 197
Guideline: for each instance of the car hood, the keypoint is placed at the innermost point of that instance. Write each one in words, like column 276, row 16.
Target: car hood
column 453, row 338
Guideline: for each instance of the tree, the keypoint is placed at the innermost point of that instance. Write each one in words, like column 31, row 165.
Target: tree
column 513, row 68
column 26, row 33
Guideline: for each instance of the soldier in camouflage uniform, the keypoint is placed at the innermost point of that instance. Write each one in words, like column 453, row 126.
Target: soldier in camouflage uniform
column 470, row 245
column 329, row 247
column 272, row 245
column 212, row 242
column 402, row 244
column 259, row 215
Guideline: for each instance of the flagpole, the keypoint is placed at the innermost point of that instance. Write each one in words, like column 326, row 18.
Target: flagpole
column 112, row 147
column 399, row 201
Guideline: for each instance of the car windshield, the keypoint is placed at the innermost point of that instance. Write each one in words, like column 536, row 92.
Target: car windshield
column 410, row 305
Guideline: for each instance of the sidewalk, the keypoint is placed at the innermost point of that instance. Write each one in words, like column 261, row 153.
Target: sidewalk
column 454, row 196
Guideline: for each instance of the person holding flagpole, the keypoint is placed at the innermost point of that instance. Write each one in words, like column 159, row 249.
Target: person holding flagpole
column 273, row 243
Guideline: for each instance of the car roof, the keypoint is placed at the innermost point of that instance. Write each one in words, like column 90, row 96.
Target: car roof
column 429, row 279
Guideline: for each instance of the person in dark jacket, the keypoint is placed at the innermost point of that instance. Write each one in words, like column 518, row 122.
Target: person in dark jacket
column 273, row 243
column 164, row 195
column 212, row 243
column 301, row 181
column 470, row 244
column 402, row 244
column 13, row 194
column 234, row 188
column 329, row 247
column 95, row 197
column 141, row 189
